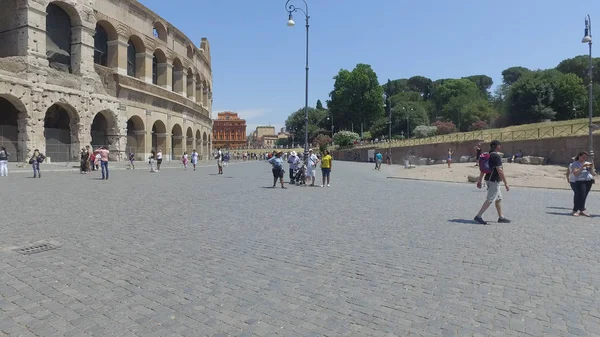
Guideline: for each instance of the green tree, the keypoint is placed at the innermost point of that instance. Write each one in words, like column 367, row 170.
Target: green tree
column 483, row 82
column 320, row 105
column 570, row 97
column 296, row 122
column 282, row 142
column 530, row 98
column 460, row 91
column 356, row 97
column 394, row 87
column 580, row 65
column 405, row 118
column 422, row 85
column 512, row 74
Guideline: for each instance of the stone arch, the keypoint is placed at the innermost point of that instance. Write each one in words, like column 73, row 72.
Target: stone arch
column 61, row 130
column 104, row 129
column 159, row 31
column 136, row 57
column 198, row 143
column 159, row 68
column 205, row 91
column 198, row 88
column 178, row 76
column 176, row 142
column 13, row 123
column 159, row 135
column 136, row 137
column 61, row 18
column 190, row 51
column 189, row 139
column 190, row 84
column 104, row 53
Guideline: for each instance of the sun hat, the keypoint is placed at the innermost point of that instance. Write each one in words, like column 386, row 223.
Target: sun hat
column 294, row 153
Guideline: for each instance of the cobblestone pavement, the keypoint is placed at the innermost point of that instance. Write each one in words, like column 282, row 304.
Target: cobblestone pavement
column 195, row 254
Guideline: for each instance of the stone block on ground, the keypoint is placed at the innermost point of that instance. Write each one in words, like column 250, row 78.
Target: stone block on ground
column 524, row 160
column 472, row 178
column 537, row 160
column 423, row 161
column 441, row 161
column 431, row 162
column 464, row 159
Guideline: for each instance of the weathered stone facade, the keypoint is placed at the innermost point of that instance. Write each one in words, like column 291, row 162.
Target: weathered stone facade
column 100, row 72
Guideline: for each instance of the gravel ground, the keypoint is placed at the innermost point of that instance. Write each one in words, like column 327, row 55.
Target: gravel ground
column 181, row 253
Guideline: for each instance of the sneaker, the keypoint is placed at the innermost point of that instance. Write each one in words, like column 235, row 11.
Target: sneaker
column 480, row 220
column 328, row 185
column 322, row 185
column 503, row 220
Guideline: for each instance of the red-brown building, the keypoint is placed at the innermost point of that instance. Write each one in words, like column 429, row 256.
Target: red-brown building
column 229, row 131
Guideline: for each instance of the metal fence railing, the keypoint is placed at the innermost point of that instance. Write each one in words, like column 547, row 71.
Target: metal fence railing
column 550, row 131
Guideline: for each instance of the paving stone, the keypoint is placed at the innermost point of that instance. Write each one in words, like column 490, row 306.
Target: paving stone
column 192, row 254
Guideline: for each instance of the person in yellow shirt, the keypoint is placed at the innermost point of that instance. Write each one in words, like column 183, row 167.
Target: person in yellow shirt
column 326, row 167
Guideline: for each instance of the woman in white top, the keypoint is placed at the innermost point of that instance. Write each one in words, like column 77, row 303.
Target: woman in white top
column 158, row 160
column 581, row 177
column 194, row 159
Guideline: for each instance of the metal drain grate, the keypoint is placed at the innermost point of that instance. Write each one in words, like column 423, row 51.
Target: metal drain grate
column 38, row 248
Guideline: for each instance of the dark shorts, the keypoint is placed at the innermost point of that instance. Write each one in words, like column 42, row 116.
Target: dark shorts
column 326, row 172
column 158, row 161
column 277, row 173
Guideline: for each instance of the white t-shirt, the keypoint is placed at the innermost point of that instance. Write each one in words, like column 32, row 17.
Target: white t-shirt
column 194, row 156
column 219, row 155
column 159, row 155
column 312, row 161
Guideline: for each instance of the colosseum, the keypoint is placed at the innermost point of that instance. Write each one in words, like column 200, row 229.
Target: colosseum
column 100, row 72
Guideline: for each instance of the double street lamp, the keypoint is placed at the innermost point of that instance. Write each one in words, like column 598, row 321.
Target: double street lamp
column 290, row 8
column 587, row 38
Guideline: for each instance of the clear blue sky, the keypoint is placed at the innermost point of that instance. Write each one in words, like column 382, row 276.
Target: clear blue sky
column 258, row 62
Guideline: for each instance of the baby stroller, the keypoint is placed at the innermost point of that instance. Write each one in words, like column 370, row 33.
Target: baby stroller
column 300, row 175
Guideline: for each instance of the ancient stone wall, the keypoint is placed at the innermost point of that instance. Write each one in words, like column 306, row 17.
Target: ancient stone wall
column 558, row 151
column 61, row 107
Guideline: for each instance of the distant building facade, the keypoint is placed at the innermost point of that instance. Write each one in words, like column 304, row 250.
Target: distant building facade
column 229, row 131
column 263, row 137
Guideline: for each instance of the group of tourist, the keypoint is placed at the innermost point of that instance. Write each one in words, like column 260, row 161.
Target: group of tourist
column 94, row 160
column 325, row 161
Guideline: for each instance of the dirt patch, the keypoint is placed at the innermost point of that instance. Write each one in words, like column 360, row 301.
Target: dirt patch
column 547, row 176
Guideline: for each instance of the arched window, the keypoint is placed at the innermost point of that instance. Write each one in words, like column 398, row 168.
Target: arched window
column 154, row 70
column 100, row 46
column 131, row 55
column 58, row 38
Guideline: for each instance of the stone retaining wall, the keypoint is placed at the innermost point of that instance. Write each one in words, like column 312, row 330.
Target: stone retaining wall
column 558, row 151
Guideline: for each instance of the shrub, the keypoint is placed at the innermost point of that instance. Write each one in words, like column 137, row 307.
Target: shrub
column 444, row 128
column 479, row 125
column 345, row 138
column 424, row 131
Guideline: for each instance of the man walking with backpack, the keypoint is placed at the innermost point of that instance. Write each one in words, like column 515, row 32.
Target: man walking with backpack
column 490, row 167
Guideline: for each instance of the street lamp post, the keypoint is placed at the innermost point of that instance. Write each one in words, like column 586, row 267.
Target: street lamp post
column 292, row 9
column 328, row 117
column 587, row 38
column 388, row 106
